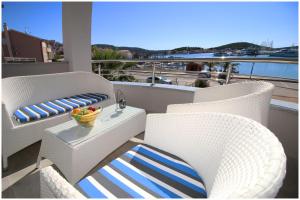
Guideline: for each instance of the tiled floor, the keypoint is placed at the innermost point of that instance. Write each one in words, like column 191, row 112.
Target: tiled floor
column 290, row 184
column 21, row 179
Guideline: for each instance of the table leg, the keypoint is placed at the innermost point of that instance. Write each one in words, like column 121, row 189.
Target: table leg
column 38, row 161
column 39, row 158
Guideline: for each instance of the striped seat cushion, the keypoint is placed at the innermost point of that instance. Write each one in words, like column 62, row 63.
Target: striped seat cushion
column 57, row 106
column 144, row 172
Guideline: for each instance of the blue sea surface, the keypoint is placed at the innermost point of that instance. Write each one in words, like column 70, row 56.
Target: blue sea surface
column 270, row 69
column 260, row 69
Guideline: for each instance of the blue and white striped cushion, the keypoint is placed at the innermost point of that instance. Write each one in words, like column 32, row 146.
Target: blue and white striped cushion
column 57, row 106
column 144, row 172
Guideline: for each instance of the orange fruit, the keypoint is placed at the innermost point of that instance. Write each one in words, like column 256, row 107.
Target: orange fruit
column 76, row 111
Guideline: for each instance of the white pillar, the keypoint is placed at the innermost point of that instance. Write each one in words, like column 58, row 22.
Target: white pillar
column 76, row 22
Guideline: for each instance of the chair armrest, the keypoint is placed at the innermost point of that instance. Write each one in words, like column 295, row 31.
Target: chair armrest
column 6, row 119
column 54, row 185
column 254, row 106
column 229, row 106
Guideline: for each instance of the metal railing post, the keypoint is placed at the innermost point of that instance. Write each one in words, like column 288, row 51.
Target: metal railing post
column 252, row 70
column 228, row 74
column 153, row 75
column 99, row 69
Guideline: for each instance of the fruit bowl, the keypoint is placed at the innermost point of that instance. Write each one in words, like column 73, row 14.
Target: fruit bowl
column 86, row 116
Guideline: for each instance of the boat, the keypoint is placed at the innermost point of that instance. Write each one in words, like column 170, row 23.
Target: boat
column 285, row 53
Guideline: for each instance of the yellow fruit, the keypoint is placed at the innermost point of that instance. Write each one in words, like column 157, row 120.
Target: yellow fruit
column 89, row 116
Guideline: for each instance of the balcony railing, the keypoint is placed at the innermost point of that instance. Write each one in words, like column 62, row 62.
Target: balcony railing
column 214, row 59
column 18, row 60
column 142, row 68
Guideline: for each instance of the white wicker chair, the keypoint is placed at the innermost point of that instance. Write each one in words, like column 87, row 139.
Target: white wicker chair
column 236, row 156
column 26, row 90
column 250, row 99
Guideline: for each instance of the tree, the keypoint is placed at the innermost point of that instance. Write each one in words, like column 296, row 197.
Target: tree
column 105, row 54
column 201, row 83
column 112, row 70
column 127, row 78
column 210, row 65
column 56, row 57
column 225, row 66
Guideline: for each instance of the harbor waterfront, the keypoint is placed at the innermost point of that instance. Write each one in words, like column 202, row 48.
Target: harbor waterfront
column 281, row 70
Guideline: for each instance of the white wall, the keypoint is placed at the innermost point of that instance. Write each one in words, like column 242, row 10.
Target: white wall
column 153, row 99
column 284, row 124
column 76, row 22
column 25, row 69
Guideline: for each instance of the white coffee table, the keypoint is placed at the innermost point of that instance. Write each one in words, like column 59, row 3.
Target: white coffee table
column 75, row 150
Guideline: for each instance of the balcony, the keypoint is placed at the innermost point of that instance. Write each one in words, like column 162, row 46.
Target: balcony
column 22, row 179
column 283, row 122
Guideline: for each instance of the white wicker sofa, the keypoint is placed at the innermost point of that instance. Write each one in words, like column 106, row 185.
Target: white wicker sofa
column 237, row 157
column 249, row 99
column 27, row 90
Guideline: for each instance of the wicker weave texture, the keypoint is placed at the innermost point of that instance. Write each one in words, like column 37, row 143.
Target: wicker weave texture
column 26, row 90
column 236, row 156
column 55, row 186
column 250, row 99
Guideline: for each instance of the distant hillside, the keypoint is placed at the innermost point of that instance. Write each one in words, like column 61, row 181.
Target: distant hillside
column 187, row 49
column 141, row 51
column 104, row 46
column 291, row 47
column 136, row 51
column 145, row 53
column 237, row 46
column 107, row 46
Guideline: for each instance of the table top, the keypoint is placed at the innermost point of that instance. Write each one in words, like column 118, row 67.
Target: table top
column 73, row 134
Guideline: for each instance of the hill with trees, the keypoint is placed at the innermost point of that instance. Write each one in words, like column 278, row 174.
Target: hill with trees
column 136, row 51
column 144, row 53
column 140, row 53
column 237, row 46
column 187, row 50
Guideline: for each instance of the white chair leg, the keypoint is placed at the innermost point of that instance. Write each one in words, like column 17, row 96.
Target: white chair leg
column 4, row 162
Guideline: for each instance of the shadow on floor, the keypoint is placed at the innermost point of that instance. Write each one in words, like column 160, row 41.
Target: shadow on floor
column 29, row 185
column 22, row 159
column 290, row 184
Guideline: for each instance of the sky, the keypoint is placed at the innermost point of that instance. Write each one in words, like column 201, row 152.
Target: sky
column 157, row 25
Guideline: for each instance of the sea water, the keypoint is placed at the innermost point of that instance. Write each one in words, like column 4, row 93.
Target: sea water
column 281, row 70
